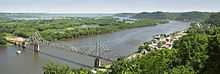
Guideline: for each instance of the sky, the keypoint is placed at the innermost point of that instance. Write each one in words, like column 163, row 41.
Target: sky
column 107, row 6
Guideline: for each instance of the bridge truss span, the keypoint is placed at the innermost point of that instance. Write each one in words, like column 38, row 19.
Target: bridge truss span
column 36, row 41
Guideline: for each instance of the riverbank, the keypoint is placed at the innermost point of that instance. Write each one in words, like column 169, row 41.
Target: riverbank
column 159, row 42
column 3, row 41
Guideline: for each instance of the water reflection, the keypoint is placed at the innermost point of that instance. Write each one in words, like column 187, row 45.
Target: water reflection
column 3, row 55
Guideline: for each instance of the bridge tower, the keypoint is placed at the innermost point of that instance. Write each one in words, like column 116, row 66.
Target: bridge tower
column 35, row 39
column 36, row 47
column 97, row 62
column 23, row 45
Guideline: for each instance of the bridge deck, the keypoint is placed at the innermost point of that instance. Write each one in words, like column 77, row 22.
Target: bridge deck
column 79, row 52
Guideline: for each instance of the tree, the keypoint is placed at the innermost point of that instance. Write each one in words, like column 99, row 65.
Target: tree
column 183, row 70
column 214, row 19
column 192, row 50
column 156, row 62
column 213, row 64
column 24, row 32
column 56, row 69
column 2, row 40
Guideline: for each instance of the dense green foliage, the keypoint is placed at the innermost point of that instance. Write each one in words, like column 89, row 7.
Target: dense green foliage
column 154, row 15
column 200, row 48
column 184, row 16
column 2, row 40
column 53, row 68
column 56, row 29
column 182, row 70
column 213, row 62
column 125, row 14
column 214, row 20
column 193, row 50
column 158, row 62
column 192, row 16
column 56, row 69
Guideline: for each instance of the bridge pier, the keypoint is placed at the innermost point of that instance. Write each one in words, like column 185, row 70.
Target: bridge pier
column 18, row 44
column 36, row 48
column 23, row 45
column 97, row 63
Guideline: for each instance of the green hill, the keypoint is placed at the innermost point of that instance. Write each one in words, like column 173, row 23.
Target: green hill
column 181, row 16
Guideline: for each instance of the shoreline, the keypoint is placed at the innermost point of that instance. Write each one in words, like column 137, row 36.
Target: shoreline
column 176, row 35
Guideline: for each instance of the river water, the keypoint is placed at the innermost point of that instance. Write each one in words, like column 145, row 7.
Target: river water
column 111, row 45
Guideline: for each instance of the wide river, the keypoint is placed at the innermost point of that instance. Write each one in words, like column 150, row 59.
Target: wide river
column 111, row 45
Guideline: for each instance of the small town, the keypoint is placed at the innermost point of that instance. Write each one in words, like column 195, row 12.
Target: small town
column 158, row 42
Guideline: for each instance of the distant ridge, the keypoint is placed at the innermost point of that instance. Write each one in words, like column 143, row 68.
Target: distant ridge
column 183, row 16
column 49, row 15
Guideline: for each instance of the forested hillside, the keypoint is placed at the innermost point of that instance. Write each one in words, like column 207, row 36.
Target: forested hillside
column 182, row 16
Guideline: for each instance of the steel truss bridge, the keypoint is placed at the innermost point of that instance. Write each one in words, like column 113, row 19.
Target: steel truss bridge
column 35, row 41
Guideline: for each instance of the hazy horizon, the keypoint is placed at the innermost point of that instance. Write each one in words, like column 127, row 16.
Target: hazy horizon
column 109, row 6
column 99, row 13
